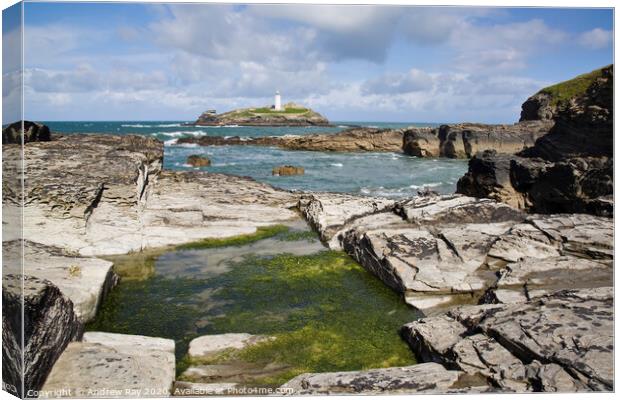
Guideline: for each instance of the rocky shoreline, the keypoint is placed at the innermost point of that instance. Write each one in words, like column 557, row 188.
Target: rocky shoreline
column 514, row 301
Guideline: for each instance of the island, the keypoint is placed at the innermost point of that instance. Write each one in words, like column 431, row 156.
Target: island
column 290, row 114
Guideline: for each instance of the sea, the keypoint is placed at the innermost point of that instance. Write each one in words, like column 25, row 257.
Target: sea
column 393, row 175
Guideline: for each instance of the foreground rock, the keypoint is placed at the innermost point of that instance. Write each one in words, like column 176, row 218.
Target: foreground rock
column 292, row 115
column 437, row 250
column 85, row 281
column 570, row 169
column 118, row 200
column 49, row 324
column 212, row 345
column 421, row 378
column 560, row 342
column 465, row 140
column 113, row 365
column 214, row 360
column 32, row 132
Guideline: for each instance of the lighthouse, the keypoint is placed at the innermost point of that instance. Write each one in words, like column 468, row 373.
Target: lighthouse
column 277, row 104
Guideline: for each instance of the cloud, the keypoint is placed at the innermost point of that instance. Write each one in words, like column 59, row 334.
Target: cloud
column 595, row 39
column 84, row 78
column 411, row 81
column 502, row 46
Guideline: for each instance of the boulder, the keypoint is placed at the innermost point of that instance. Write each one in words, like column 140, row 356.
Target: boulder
column 422, row 378
column 32, row 132
column 48, row 325
column 562, row 341
column 134, row 366
column 287, row 170
column 198, row 161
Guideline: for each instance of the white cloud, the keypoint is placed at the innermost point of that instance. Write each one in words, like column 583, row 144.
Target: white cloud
column 411, row 81
column 596, row 38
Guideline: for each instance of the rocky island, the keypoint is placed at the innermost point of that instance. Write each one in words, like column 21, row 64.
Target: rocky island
column 514, row 274
column 290, row 114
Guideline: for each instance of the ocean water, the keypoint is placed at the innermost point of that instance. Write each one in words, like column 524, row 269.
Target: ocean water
column 380, row 174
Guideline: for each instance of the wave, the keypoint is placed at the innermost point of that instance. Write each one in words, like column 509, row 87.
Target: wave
column 340, row 165
column 180, row 133
column 150, row 126
column 170, row 142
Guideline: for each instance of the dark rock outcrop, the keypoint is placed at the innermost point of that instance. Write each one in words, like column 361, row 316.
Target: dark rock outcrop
column 49, row 325
column 570, row 169
column 352, row 139
column 538, row 107
column 33, row 132
column 465, row 140
column 196, row 160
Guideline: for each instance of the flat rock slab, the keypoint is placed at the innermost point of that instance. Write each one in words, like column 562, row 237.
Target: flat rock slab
column 85, row 281
column 438, row 250
column 113, row 365
column 560, row 342
column 420, row 378
column 105, row 195
column 213, row 359
column 211, row 345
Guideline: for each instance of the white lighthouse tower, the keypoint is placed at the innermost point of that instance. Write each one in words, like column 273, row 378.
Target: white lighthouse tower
column 277, row 105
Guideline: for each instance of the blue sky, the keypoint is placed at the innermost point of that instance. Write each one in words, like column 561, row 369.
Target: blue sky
column 366, row 63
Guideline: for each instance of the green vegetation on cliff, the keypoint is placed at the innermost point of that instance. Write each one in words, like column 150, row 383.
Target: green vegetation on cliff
column 562, row 92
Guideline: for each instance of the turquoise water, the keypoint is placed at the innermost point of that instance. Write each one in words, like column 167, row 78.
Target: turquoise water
column 380, row 174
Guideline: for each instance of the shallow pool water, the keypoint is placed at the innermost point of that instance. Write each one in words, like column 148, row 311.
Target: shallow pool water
column 326, row 312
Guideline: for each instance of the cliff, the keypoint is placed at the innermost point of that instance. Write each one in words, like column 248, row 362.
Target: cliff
column 291, row 115
column 570, row 169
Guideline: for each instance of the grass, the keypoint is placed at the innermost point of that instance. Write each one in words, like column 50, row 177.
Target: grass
column 291, row 110
column 262, row 232
column 562, row 92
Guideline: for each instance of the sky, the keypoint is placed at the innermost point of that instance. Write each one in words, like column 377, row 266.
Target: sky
column 105, row 61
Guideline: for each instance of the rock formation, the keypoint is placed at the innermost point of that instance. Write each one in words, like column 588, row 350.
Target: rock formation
column 119, row 200
column 559, row 342
column 32, row 132
column 570, row 169
column 465, row 140
column 292, row 115
column 49, row 325
column 352, row 139
column 422, row 378
column 436, row 250
column 114, row 365
column 196, row 160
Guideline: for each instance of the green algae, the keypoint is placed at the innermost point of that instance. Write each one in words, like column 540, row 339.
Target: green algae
column 564, row 91
column 262, row 232
column 325, row 311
